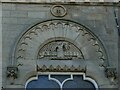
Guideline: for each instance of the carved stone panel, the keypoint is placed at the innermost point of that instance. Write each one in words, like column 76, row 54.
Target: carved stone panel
column 59, row 40
column 60, row 50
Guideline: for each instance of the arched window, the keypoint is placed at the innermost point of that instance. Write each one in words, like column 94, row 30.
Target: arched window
column 63, row 81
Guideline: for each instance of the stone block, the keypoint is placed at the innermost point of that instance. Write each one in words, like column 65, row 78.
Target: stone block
column 19, row 13
column 5, row 13
column 37, row 14
column 32, row 7
column 109, row 31
column 8, row 6
column 9, row 20
column 28, row 21
column 13, row 27
column 95, row 16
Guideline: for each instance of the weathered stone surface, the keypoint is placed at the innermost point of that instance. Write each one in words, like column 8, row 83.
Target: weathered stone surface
column 9, row 20
column 8, row 6
column 36, row 14
column 59, row 1
column 18, row 14
column 31, row 7
column 0, row 45
column 5, row 13
column 17, row 18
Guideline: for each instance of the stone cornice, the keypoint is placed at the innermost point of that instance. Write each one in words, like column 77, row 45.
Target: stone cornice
column 65, row 2
column 52, row 1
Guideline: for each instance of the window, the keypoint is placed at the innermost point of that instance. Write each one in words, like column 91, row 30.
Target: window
column 62, row 81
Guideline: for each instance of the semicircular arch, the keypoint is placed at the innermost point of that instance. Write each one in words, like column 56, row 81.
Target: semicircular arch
column 29, row 43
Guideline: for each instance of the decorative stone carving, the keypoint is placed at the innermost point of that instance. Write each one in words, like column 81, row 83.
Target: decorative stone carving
column 60, row 50
column 12, row 73
column 60, row 69
column 43, row 41
column 111, row 73
column 58, row 10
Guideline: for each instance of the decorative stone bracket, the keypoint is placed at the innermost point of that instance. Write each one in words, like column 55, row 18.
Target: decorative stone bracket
column 111, row 73
column 12, row 72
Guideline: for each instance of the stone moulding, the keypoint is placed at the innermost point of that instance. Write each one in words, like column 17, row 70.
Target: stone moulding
column 56, row 1
column 79, row 2
column 60, row 69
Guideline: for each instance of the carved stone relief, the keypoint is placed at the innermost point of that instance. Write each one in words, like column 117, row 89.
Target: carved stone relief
column 111, row 74
column 58, row 10
column 60, row 50
column 59, row 40
column 88, row 45
column 58, row 46
column 12, row 73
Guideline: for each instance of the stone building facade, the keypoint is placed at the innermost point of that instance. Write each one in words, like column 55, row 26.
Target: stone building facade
column 59, row 38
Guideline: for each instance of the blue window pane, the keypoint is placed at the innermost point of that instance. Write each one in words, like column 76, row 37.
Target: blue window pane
column 78, row 84
column 43, row 82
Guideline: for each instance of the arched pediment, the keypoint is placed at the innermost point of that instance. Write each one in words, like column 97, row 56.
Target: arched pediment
column 57, row 33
